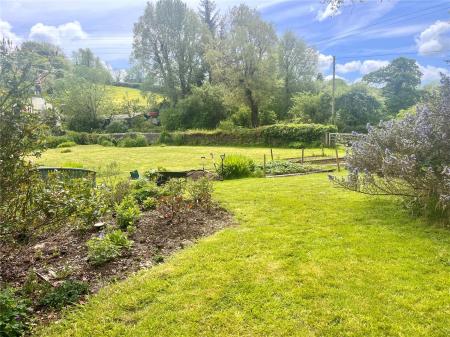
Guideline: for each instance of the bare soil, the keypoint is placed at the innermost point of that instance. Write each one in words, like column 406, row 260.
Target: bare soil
column 61, row 255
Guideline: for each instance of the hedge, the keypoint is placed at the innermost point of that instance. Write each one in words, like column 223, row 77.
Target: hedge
column 296, row 135
column 291, row 135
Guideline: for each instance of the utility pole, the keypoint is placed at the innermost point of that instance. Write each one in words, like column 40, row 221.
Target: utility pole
column 333, row 112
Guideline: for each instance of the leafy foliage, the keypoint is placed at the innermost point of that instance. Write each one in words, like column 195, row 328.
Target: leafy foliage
column 201, row 191
column 236, row 166
column 407, row 157
column 133, row 140
column 203, row 109
column 286, row 167
column 127, row 212
column 357, row 108
column 311, row 108
column 102, row 250
column 399, row 80
column 14, row 314
column 167, row 42
column 68, row 292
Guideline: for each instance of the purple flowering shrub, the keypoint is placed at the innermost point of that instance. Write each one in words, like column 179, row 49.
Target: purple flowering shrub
column 409, row 158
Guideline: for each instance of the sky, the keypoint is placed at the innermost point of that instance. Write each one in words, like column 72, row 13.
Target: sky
column 363, row 36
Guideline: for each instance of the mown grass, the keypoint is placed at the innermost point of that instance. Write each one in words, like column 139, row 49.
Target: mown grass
column 306, row 259
column 170, row 157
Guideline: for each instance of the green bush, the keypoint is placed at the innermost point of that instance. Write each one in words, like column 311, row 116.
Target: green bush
column 127, row 212
column 236, row 166
column 69, row 292
column 52, row 142
column 143, row 189
column 201, row 191
column 106, row 143
column 102, row 250
column 117, row 127
column 66, row 144
column 149, row 203
column 14, row 314
column 133, row 140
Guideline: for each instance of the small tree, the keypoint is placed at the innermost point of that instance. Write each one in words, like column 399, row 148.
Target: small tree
column 81, row 102
column 409, row 157
column 21, row 133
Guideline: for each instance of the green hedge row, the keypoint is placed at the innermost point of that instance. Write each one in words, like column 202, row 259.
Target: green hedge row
column 293, row 135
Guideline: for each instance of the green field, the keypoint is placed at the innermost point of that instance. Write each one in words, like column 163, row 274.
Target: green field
column 306, row 259
column 169, row 157
column 119, row 94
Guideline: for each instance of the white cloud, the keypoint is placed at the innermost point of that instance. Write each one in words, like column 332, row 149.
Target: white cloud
column 348, row 67
column 325, row 62
column 364, row 67
column 7, row 33
column 431, row 74
column 371, row 65
column 329, row 11
column 70, row 31
column 330, row 77
column 435, row 38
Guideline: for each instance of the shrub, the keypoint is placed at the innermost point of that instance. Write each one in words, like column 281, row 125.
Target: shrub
column 106, row 143
column 149, row 203
column 102, row 250
column 133, row 140
column 127, row 212
column 14, row 314
column 68, row 292
column 172, row 199
column 143, row 189
column 52, row 142
column 408, row 157
column 201, row 191
column 236, row 166
column 66, row 144
column 66, row 151
column 117, row 127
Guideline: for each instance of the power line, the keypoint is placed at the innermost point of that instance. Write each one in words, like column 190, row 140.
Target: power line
column 389, row 20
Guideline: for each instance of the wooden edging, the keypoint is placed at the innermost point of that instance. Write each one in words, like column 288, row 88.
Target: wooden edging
column 299, row 174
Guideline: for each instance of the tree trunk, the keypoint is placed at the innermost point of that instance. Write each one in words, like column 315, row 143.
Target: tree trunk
column 253, row 108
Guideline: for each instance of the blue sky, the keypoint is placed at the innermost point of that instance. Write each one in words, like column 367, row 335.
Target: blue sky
column 363, row 36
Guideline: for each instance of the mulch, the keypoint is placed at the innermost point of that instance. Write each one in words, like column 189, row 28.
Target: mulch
column 62, row 254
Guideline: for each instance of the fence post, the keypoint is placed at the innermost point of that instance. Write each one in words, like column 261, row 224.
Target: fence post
column 271, row 153
column 303, row 155
column 337, row 159
column 264, row 167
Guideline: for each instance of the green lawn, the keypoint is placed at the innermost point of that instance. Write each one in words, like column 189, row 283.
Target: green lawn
column 170, row 157
column 306, row 259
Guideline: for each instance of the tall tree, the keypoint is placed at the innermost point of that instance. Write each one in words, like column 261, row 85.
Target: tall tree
column 90, row 67
column 245, row 58
column 297, row 64
column 209, row 15
column 399, row 81
column 167, row 42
